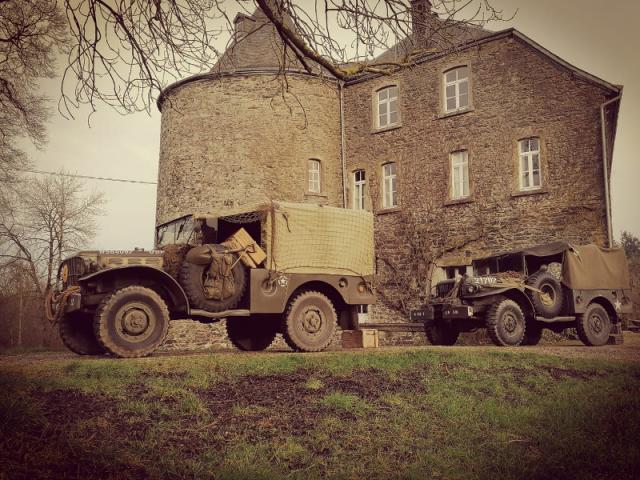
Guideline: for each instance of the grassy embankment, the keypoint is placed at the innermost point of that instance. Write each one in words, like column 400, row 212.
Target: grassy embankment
column 407, row 414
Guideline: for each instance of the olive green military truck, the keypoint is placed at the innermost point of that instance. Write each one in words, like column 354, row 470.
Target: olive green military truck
column 297, row 269
column 516, row 295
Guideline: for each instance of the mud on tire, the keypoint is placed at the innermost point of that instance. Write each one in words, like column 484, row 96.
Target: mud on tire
column 505, row 323
column 192, row 280
column 76, row 332
column 532, row 333
column 254, row 333
column 441, row 333
column 310, row 322
column 594, row 325
column 131, row 322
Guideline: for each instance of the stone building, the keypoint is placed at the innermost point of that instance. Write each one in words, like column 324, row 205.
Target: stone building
column 486, row 142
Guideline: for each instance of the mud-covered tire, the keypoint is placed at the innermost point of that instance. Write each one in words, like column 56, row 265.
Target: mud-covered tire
column 252, row 334
column 505, row 323
column 131, row 322
column 76, row 332
column 191, row 278
column 532, row 334
column 549, row 303
column 440, row 333
column 594, row 325
column 310, row 322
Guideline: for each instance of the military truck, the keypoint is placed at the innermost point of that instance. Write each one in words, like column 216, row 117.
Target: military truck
column 517, row 294
column 297, row 269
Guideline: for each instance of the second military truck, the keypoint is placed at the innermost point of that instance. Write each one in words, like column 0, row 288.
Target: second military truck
column 516, row 295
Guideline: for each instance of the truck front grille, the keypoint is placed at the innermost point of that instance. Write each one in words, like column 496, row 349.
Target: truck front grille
column 443, row 288
column 76, row 268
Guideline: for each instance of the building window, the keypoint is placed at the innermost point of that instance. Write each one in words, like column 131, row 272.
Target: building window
column 387, row 102
column 389, row 186
column 359, row 189
column 314, row 176
column 530, row 173
column 456, row 89
column 459, row 174
column 455, row 272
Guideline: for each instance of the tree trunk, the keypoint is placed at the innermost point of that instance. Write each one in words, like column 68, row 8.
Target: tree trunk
column 20, row 314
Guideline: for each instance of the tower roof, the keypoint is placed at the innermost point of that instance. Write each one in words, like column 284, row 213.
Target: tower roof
column 256, row 45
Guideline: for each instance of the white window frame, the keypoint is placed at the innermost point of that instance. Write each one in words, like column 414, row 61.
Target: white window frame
column 389, row 185
column 526, row 155
column 456, row 84
column 459, row 162
column 359, row 189
column 391, row 105
column 314, row 169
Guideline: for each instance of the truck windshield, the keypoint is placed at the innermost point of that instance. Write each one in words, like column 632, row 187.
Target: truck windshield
column 179, row 231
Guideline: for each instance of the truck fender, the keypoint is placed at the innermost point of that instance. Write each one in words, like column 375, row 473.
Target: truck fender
column 521, row 299
column 163, row 283
column 607, row 305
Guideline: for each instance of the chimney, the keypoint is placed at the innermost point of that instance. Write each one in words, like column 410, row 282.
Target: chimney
column 420, row 12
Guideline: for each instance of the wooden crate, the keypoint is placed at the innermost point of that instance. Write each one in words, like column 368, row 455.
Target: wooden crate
column 366, row 338
column 254, row 255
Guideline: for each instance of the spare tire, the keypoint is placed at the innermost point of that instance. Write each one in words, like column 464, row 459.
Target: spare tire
column 548, row 300
column 193, row 277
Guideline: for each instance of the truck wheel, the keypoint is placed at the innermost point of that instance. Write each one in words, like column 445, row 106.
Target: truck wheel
column 440, row 333
column 532, row 333
column 192, row 277
column 310, row 322
column 76, row 332
column 505, row 323
column 252, row 334
column 131, row 322
column 549, row 302
column 594, row 325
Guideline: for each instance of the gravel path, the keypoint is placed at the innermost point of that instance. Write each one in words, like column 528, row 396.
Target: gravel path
column 629, row 351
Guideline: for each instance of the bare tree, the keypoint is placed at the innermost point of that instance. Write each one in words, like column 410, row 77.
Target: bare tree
column 123, row 53
column 51, row 218
column 31, row 32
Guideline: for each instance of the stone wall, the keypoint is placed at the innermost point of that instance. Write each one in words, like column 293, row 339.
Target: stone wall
column 516, row 93
column 229, row 140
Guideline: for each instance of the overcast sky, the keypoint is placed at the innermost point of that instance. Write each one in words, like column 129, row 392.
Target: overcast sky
column 600, row 37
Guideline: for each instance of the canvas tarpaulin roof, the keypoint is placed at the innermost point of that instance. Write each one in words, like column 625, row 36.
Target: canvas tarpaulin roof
column 306, row 238
column 590, row 267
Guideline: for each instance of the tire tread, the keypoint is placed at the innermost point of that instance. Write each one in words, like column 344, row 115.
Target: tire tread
column 287, row 326
column 101, row 328
column 492, row 323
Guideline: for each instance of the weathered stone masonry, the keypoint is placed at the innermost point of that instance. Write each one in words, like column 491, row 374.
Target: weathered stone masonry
column 516, row 93
column 234, row 139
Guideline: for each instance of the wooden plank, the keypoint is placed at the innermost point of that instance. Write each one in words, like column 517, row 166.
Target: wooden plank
column 394, row 327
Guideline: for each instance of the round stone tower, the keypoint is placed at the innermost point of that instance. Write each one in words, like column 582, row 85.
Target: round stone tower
column 245, row 132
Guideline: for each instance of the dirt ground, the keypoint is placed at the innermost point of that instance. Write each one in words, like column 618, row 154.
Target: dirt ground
column 629, row 351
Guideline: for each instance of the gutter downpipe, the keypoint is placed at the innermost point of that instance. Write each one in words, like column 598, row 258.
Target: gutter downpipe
column 605, row 165
column 343, row 153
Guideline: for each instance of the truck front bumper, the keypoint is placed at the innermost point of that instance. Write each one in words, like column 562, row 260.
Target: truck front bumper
column 442, row 311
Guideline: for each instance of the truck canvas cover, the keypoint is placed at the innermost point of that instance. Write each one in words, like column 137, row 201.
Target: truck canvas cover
column 588, row 267
column 306, row 238
column 584, row 267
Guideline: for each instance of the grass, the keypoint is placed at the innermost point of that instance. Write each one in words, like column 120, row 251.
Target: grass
column 406, row 414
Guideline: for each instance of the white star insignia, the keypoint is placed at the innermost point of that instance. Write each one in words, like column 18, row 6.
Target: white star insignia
column 618, row 305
